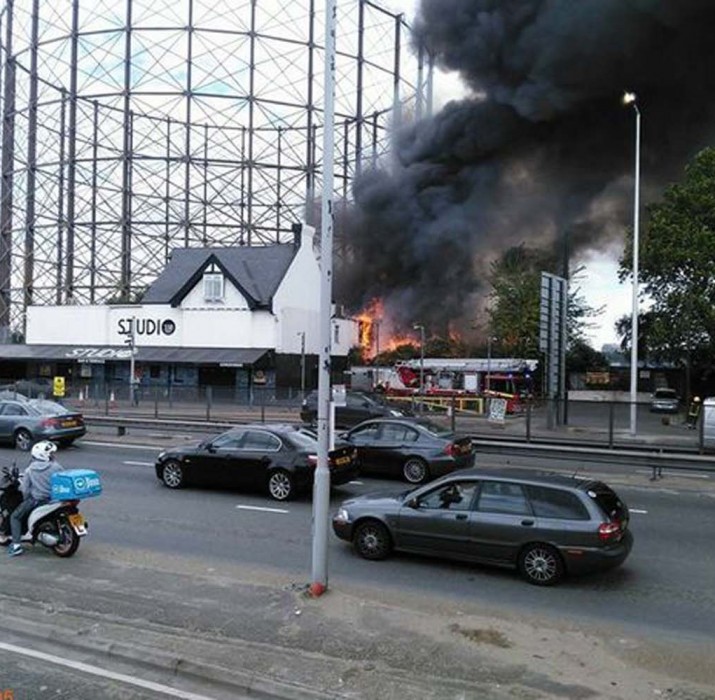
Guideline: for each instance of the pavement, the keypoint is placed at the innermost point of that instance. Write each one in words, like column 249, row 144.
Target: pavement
column 256, row 632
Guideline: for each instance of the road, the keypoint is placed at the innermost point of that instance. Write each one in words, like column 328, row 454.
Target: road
column 665, row 586
column 204, row 586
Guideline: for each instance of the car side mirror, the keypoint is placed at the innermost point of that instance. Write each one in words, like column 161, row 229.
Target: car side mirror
column 209, row 446
column 413, row 503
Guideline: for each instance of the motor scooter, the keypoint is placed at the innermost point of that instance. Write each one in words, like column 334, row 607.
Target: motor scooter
column 58, row 525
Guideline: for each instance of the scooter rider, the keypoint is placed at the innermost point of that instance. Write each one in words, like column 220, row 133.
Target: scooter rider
column 35, row 487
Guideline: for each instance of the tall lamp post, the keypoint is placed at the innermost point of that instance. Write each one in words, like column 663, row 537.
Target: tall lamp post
column 630, row 98
column 302, row 364
column 420, row 327
column 490, row 339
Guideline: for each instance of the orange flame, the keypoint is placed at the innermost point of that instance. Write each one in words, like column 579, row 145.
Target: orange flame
column 375, row 334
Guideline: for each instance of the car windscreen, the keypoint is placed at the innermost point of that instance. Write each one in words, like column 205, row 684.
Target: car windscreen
column 607, row 500
column 665, row 393
column 48, row 408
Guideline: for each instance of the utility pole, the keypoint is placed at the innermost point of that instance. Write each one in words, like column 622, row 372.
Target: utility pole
column 131, row 343
column 321, row 479
column 302, row 364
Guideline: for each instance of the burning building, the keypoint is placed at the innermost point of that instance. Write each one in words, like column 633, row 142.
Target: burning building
column 541, row 150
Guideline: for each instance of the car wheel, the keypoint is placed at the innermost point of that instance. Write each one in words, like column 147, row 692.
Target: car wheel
column 541, row 565
column 172, row 474
column 280, row 485
column 415, row 470
column 372, row 540
column 23, row 439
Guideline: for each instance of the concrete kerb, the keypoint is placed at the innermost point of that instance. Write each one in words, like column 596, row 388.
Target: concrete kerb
column 231, row 679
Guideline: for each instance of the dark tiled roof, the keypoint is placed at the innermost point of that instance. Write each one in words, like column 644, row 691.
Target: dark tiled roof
column 255, row 270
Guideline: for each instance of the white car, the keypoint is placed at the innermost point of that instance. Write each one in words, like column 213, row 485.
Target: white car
column 665, row 401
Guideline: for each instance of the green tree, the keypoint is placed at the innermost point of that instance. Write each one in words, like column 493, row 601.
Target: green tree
column 677, row 267
column 515, row 304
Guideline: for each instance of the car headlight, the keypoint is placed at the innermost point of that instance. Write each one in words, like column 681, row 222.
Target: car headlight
column 342, row 516
column 395, row 412
column 161, row 455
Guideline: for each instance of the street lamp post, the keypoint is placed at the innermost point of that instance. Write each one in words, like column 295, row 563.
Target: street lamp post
column 630, row 98
column 302, row 364
column 489, row 362
column 420, row 327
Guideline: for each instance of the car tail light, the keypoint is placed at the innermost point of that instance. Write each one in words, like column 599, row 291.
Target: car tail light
column 49, row 422
column 451, row 450
column 313, row 460
column 609, row 531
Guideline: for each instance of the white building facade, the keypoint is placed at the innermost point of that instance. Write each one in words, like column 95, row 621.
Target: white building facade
column 231, row 317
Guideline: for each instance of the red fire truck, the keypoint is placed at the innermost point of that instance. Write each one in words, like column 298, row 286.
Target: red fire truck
column 463, row 378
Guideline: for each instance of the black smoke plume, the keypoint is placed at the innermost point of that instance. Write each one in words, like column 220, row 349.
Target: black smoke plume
column 541, row 150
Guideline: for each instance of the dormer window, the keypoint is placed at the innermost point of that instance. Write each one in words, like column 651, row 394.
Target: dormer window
column 213, row 284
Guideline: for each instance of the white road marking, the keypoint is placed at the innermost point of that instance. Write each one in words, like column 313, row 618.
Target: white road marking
column 356, row 483
column 266, row 510
column 123, row 446
column 635, row 510
column 677, row 473
column 103, row 673
column 140, row 464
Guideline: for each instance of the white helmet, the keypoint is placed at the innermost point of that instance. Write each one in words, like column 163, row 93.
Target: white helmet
column 43, row 450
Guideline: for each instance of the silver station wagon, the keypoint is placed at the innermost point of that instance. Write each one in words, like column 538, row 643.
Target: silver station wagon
column 543, row 525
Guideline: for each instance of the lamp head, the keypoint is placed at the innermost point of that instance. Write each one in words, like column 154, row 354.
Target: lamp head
column 629, row 98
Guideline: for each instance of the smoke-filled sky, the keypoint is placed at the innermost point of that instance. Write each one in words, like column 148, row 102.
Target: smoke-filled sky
column 542, row 148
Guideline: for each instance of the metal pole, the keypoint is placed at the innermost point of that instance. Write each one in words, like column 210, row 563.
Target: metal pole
column 31, row 166
column 72, row 157
column 489, row 362
column 126, row 246
column 421, row 328
column 321, row 486
column 302, row 364
column 422, row 359
column 630, row 98
column 132, row 343
column 6, row 187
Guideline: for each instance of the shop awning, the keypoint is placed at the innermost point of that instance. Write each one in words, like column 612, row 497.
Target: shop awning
column 231, row 357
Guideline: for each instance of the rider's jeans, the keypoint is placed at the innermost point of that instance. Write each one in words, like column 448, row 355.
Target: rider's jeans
column 19, row 515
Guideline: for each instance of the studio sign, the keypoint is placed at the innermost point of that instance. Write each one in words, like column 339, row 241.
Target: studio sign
column 146, row 326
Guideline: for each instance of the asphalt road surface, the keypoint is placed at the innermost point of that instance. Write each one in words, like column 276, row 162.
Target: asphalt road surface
column 665, row 586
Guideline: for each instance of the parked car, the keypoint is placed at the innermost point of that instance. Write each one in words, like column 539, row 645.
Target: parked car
column 544, row 525
column 31, row 388
column 359, row 407
column 415, row 449
column 24, row 422
column 279, row 459
column 665, row 401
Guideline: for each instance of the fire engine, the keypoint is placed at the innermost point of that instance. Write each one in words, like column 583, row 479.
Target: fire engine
column 462, row 378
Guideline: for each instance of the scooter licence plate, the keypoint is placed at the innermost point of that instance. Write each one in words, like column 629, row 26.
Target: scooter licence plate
column 77, row 521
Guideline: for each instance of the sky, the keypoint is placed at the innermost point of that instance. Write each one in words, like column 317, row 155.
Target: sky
column 598, row 282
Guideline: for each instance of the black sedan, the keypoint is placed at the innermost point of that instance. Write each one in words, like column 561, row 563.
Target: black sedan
column 280, row 459
column 24, row 422
column 412, row 448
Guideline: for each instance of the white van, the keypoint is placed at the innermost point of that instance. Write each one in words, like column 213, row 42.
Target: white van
column 709, row 423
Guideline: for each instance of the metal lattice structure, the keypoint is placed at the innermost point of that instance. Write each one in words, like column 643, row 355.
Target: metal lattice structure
column 131, row 127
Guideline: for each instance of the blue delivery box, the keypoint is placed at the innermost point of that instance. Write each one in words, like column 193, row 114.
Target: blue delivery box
column 72, row 484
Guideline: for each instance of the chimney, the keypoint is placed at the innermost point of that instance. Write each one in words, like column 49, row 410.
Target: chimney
column 297, row 234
